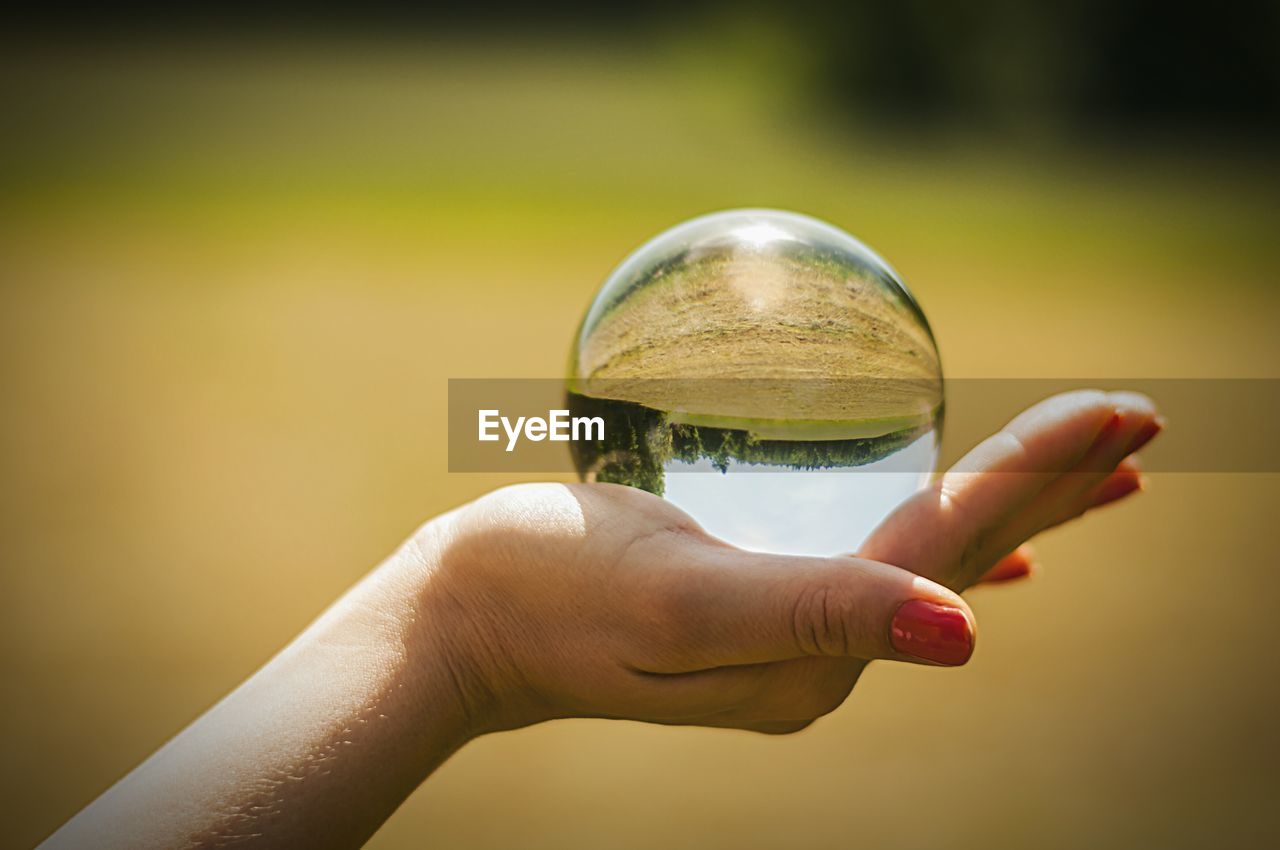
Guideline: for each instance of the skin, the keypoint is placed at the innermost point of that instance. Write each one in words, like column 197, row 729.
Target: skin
column 546, row 601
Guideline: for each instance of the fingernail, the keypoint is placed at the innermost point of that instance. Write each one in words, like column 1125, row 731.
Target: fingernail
column 1146, row 433
column 1117, row 488
column 938, row 633
column 1001, row 573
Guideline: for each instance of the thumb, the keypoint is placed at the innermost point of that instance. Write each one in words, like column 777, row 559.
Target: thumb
column 742, row 607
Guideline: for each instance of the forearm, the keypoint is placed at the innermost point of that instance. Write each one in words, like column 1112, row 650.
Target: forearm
column 317, row 748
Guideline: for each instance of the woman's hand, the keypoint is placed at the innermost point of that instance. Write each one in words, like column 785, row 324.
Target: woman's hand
column 604, row 601
column 553, row 601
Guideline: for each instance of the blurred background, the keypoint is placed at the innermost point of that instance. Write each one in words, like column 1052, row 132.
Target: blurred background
column 240, row 259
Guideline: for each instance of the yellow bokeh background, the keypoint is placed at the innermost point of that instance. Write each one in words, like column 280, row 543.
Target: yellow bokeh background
column 235, row 280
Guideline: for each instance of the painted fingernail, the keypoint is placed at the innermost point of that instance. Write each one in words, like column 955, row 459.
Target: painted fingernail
column 1008, row 571
column 931, row 631
column 1146, row 433
column 1117, row 488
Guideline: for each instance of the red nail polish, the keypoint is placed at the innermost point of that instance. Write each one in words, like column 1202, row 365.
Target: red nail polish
column 1146, row 433
column 934, row 632
column 1117, row 488
column 1007, row 571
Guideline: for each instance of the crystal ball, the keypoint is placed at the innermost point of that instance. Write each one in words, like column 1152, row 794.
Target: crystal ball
column 766, row 372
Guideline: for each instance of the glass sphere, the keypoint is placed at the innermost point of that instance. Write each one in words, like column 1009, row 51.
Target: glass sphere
column 766, row 372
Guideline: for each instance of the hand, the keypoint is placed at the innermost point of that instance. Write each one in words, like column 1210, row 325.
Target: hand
column 551, row 601
column 603, row 601
column 1051, row 464
column 606, row 601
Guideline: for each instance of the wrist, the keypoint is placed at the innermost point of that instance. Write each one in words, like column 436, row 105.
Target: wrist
column 443, row 669
column 465, row 624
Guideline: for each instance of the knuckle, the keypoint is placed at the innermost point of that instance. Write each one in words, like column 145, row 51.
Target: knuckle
column 656, row 512
column 821, row 620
